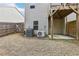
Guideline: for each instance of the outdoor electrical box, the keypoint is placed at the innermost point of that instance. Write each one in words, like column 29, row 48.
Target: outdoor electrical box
column 29, row 32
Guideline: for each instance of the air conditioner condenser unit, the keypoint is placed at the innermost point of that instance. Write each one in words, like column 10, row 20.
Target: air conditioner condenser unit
column 40, row 34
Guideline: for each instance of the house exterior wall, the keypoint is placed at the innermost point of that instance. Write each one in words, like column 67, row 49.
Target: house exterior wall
column 71, row 17
column 39, row 13
column 59, row 25
column 10, row 15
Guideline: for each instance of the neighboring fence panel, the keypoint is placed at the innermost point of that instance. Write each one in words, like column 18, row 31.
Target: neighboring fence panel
column 7, row 28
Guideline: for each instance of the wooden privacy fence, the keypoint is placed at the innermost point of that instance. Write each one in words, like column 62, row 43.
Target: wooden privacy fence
column 71, row 28
column 19, row 27
column 7, row 28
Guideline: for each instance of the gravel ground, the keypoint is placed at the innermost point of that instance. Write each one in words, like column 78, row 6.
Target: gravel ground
column 17, row 45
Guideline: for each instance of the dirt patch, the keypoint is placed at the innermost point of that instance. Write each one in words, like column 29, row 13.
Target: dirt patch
column 18, row 45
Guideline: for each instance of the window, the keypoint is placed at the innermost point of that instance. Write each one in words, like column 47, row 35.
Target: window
column 35, row 22
column 35, row 25
column 32, row 6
